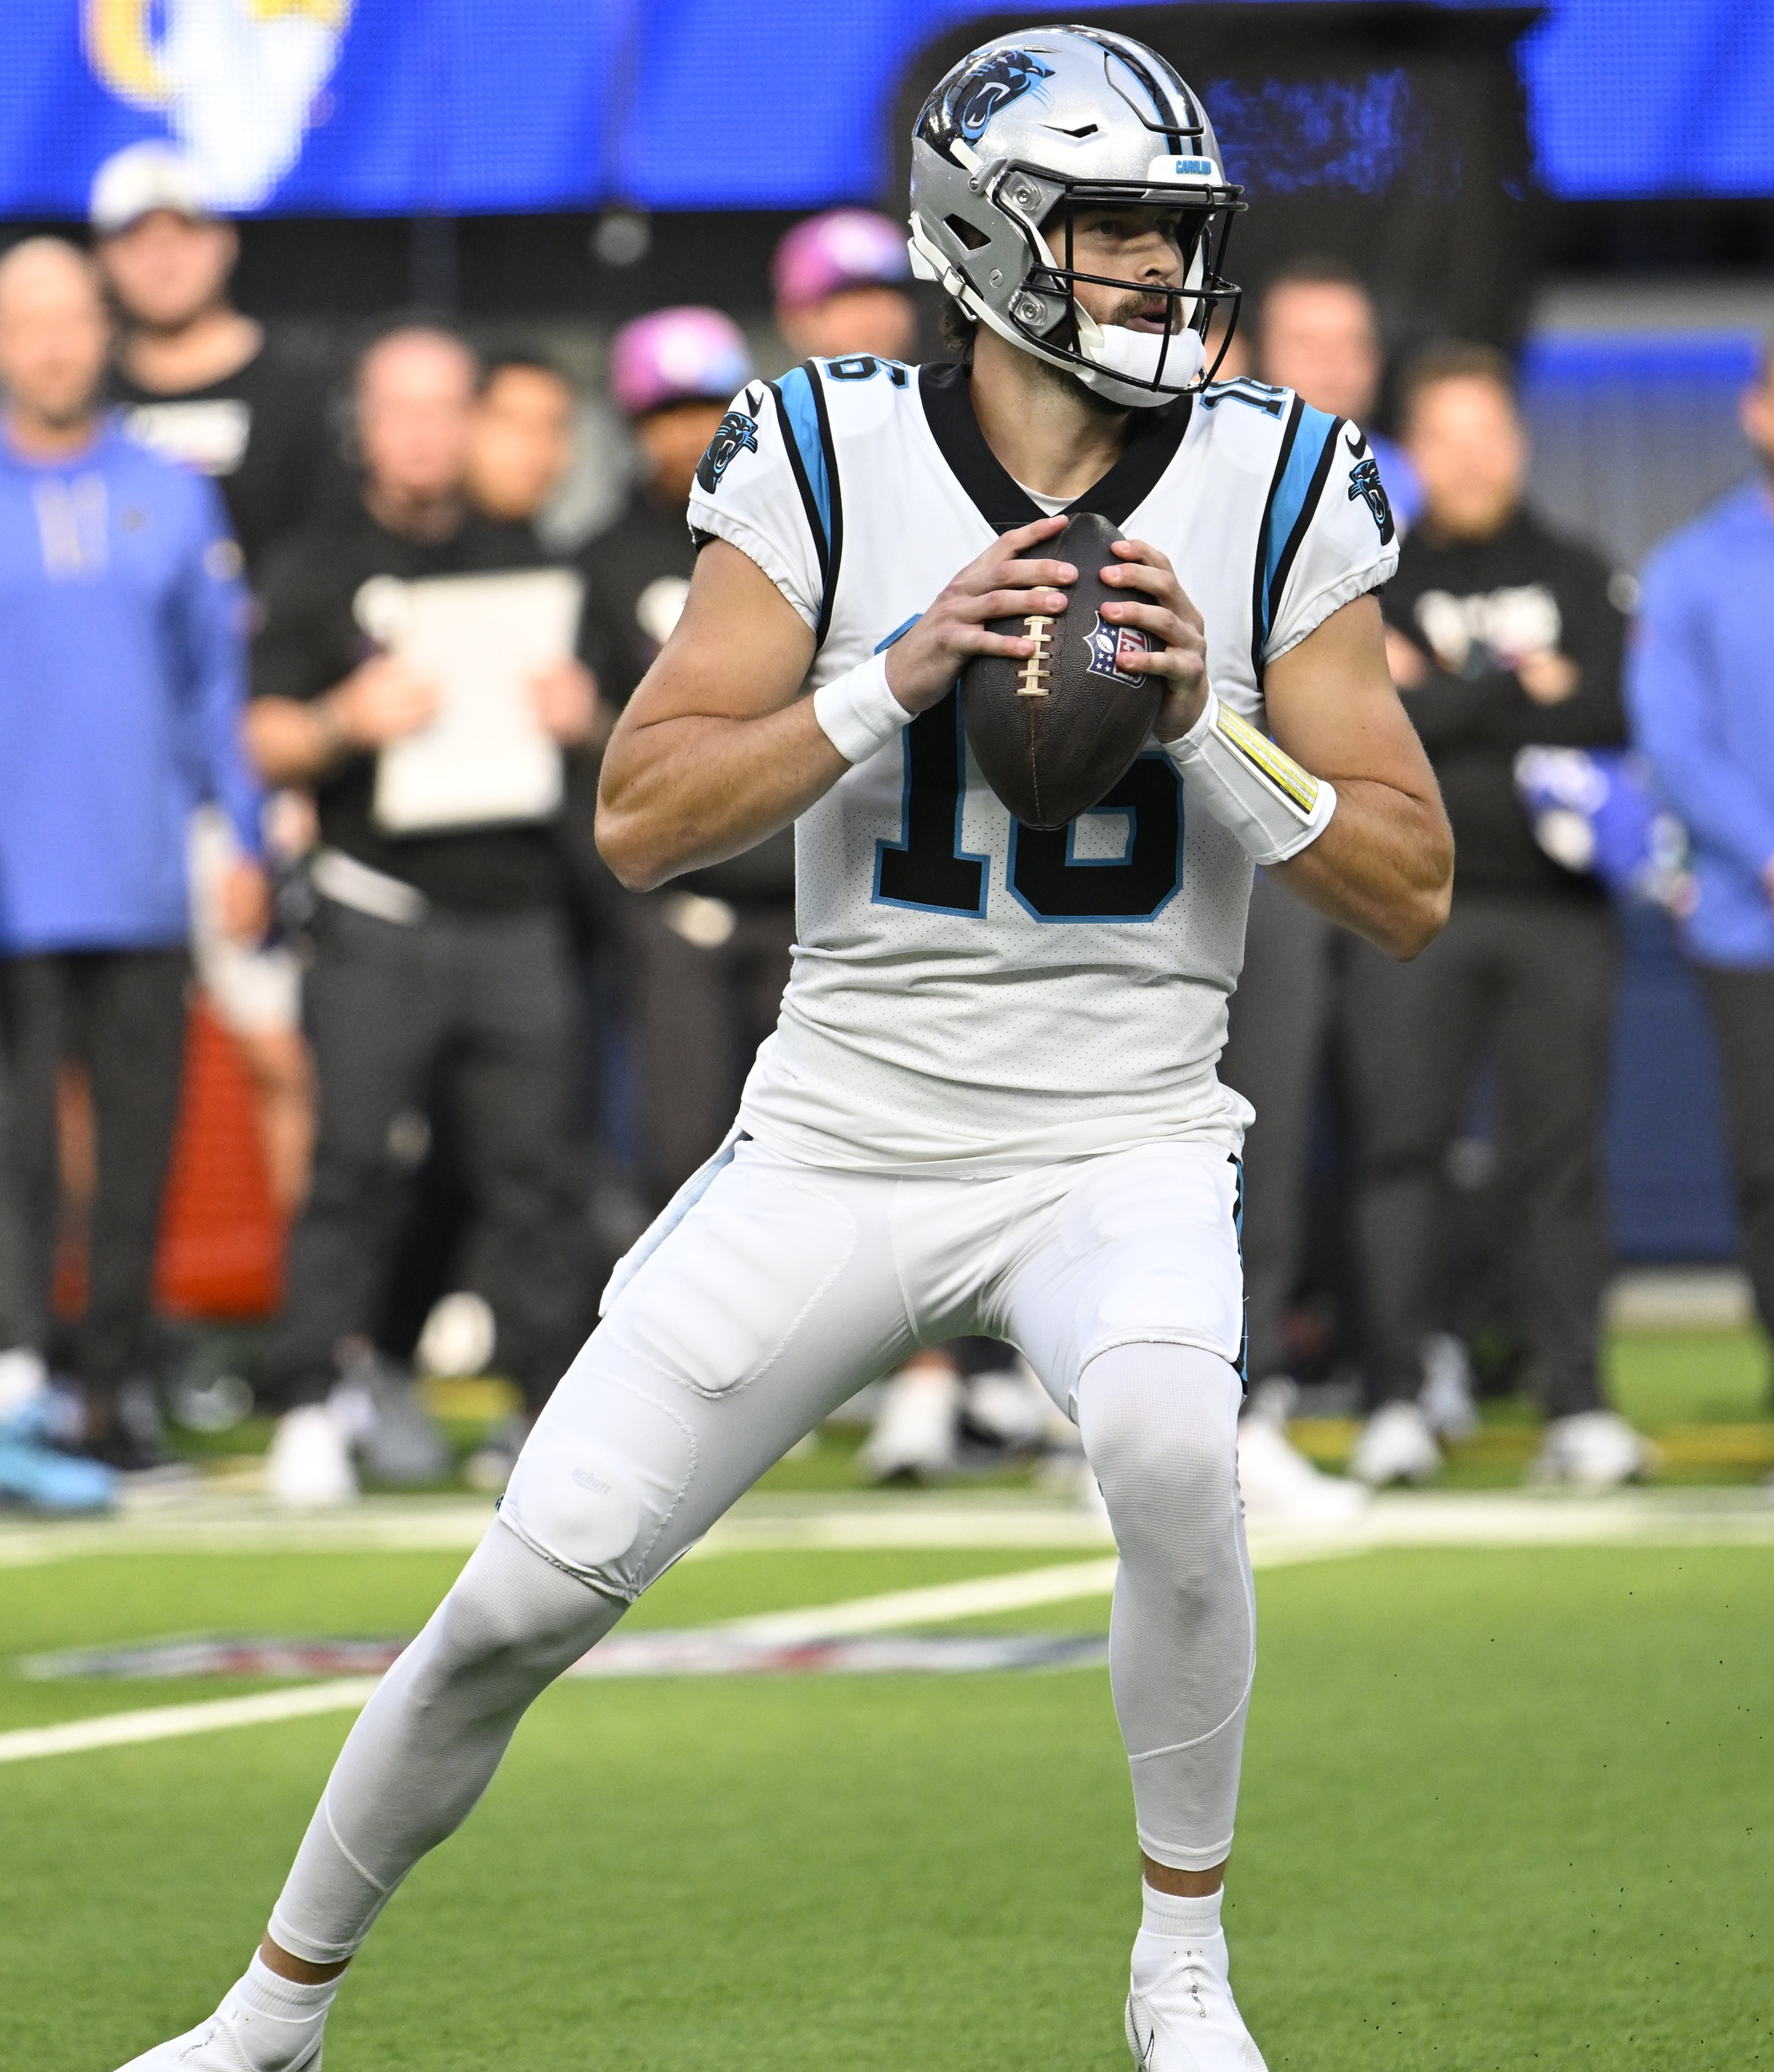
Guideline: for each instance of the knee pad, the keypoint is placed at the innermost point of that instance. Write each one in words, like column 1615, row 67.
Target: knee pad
column 596, row 1505
column 1159, row 1424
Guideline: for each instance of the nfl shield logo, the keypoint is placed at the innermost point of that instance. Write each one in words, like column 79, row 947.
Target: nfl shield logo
column 1110, row 646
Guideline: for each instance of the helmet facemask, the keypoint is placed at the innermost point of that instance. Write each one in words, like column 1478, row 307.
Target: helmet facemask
column 1161, row 365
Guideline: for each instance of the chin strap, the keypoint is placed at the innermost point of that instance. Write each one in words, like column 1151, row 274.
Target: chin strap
column 1126, row 366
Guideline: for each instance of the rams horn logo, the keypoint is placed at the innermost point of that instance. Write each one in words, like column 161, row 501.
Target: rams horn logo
column 734, row 434
column 1364, row 482
column 235, row 82
column 964, row 104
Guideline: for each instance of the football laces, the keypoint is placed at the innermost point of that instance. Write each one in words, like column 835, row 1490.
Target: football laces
column 1031, row 681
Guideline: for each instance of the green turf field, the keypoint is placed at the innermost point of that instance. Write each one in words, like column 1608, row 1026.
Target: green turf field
column 1504, row 1809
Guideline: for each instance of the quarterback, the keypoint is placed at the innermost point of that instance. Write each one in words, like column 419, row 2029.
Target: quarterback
column 990, row 1104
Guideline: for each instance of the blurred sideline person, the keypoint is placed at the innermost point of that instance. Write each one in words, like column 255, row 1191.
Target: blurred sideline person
column 1315, row 334
column 437, row 949
column 122, row 652
column 1317, row 321
column 194, row 378
column 839, row 283
column 255, row 990
column 202, row 383
column 521, row 443
column 520, row 451
column 966, row 1119
column 708, row 956
column 1501, row 635
column 1701, row 692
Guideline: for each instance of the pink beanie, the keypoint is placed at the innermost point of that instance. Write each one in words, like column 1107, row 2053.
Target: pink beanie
column 683, row 355
column 843, row 248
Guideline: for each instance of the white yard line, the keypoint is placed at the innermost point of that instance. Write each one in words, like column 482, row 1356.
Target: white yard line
column 1724, row 1516
column 167, row 1723
column 932, row 1606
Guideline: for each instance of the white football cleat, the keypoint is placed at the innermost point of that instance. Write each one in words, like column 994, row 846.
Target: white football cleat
column 309, row 1466
column 1592, row 1450
column 1396, row 1445
column 222, row 2044
column 1185, row 2019
column 265, row 2023
column 914, row 1434
column 1447, row 1398
column 1281, row 1487
column 213, row 2046
column 1009, row 1405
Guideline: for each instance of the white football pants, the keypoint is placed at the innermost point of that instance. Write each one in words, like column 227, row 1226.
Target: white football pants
column 782, row 1291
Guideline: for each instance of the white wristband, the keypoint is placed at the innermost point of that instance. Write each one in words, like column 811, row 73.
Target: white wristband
column 857, row 712
column 1250, row 787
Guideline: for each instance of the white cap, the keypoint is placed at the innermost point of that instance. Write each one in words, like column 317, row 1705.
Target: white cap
column 141, row 178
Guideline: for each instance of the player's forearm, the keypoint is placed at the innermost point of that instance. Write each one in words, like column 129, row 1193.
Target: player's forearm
column 679, row 794
column 1384, row 866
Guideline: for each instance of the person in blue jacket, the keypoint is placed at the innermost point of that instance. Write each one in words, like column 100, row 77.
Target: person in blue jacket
column 122, row 667
column 1700, row 690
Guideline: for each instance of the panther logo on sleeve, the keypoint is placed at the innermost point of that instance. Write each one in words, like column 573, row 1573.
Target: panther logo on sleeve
column 736, row 433
column 1364, row 482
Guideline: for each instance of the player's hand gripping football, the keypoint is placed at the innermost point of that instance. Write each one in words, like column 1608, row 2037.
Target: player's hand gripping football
column 1159, row 607
column 922, row 665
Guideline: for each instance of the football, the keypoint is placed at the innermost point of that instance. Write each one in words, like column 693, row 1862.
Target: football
column 1056, row 730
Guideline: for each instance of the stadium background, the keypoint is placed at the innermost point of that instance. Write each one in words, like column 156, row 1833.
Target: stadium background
column 1603, row 199
column 1589, row 183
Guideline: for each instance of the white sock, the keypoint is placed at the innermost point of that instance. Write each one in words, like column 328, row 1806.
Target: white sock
column 1170, row 1924
column 276, row 2021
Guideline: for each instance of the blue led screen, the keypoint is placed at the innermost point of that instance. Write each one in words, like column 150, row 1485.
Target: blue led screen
column 395, row 106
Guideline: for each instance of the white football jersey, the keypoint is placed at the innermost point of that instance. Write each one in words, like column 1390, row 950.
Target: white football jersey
column 968, row 993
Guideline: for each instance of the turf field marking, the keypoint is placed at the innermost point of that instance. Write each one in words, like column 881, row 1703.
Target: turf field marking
column 938, row 1601
column 167, row 1723
column 771, row 1524
column 858, row 1615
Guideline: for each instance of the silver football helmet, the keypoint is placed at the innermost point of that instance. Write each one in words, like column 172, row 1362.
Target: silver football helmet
column 1055, row 120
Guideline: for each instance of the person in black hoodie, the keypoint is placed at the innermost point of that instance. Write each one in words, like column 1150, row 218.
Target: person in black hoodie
column 1502, row 636
column 708, row 955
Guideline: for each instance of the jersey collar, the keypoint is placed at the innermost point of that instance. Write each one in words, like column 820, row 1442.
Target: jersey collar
column 1000, row 498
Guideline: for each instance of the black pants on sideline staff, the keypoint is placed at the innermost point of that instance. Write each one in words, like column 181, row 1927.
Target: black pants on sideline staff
column 703, row 1002
column 19, row 1323
column 120, row 1013
column 1532, row 981
column 1743, row 1015
column 490, row 997
column 1279, row 1020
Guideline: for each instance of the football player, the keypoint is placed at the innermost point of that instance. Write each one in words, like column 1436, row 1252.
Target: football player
column 990, row 1105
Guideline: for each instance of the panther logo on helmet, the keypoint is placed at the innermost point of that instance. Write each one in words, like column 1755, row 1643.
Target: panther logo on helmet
column 966, row 101
column 736, row 433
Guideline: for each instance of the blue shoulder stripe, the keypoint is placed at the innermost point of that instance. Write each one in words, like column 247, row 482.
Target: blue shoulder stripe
column 801, row 405
column 1290, row 508
column 801, row 414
